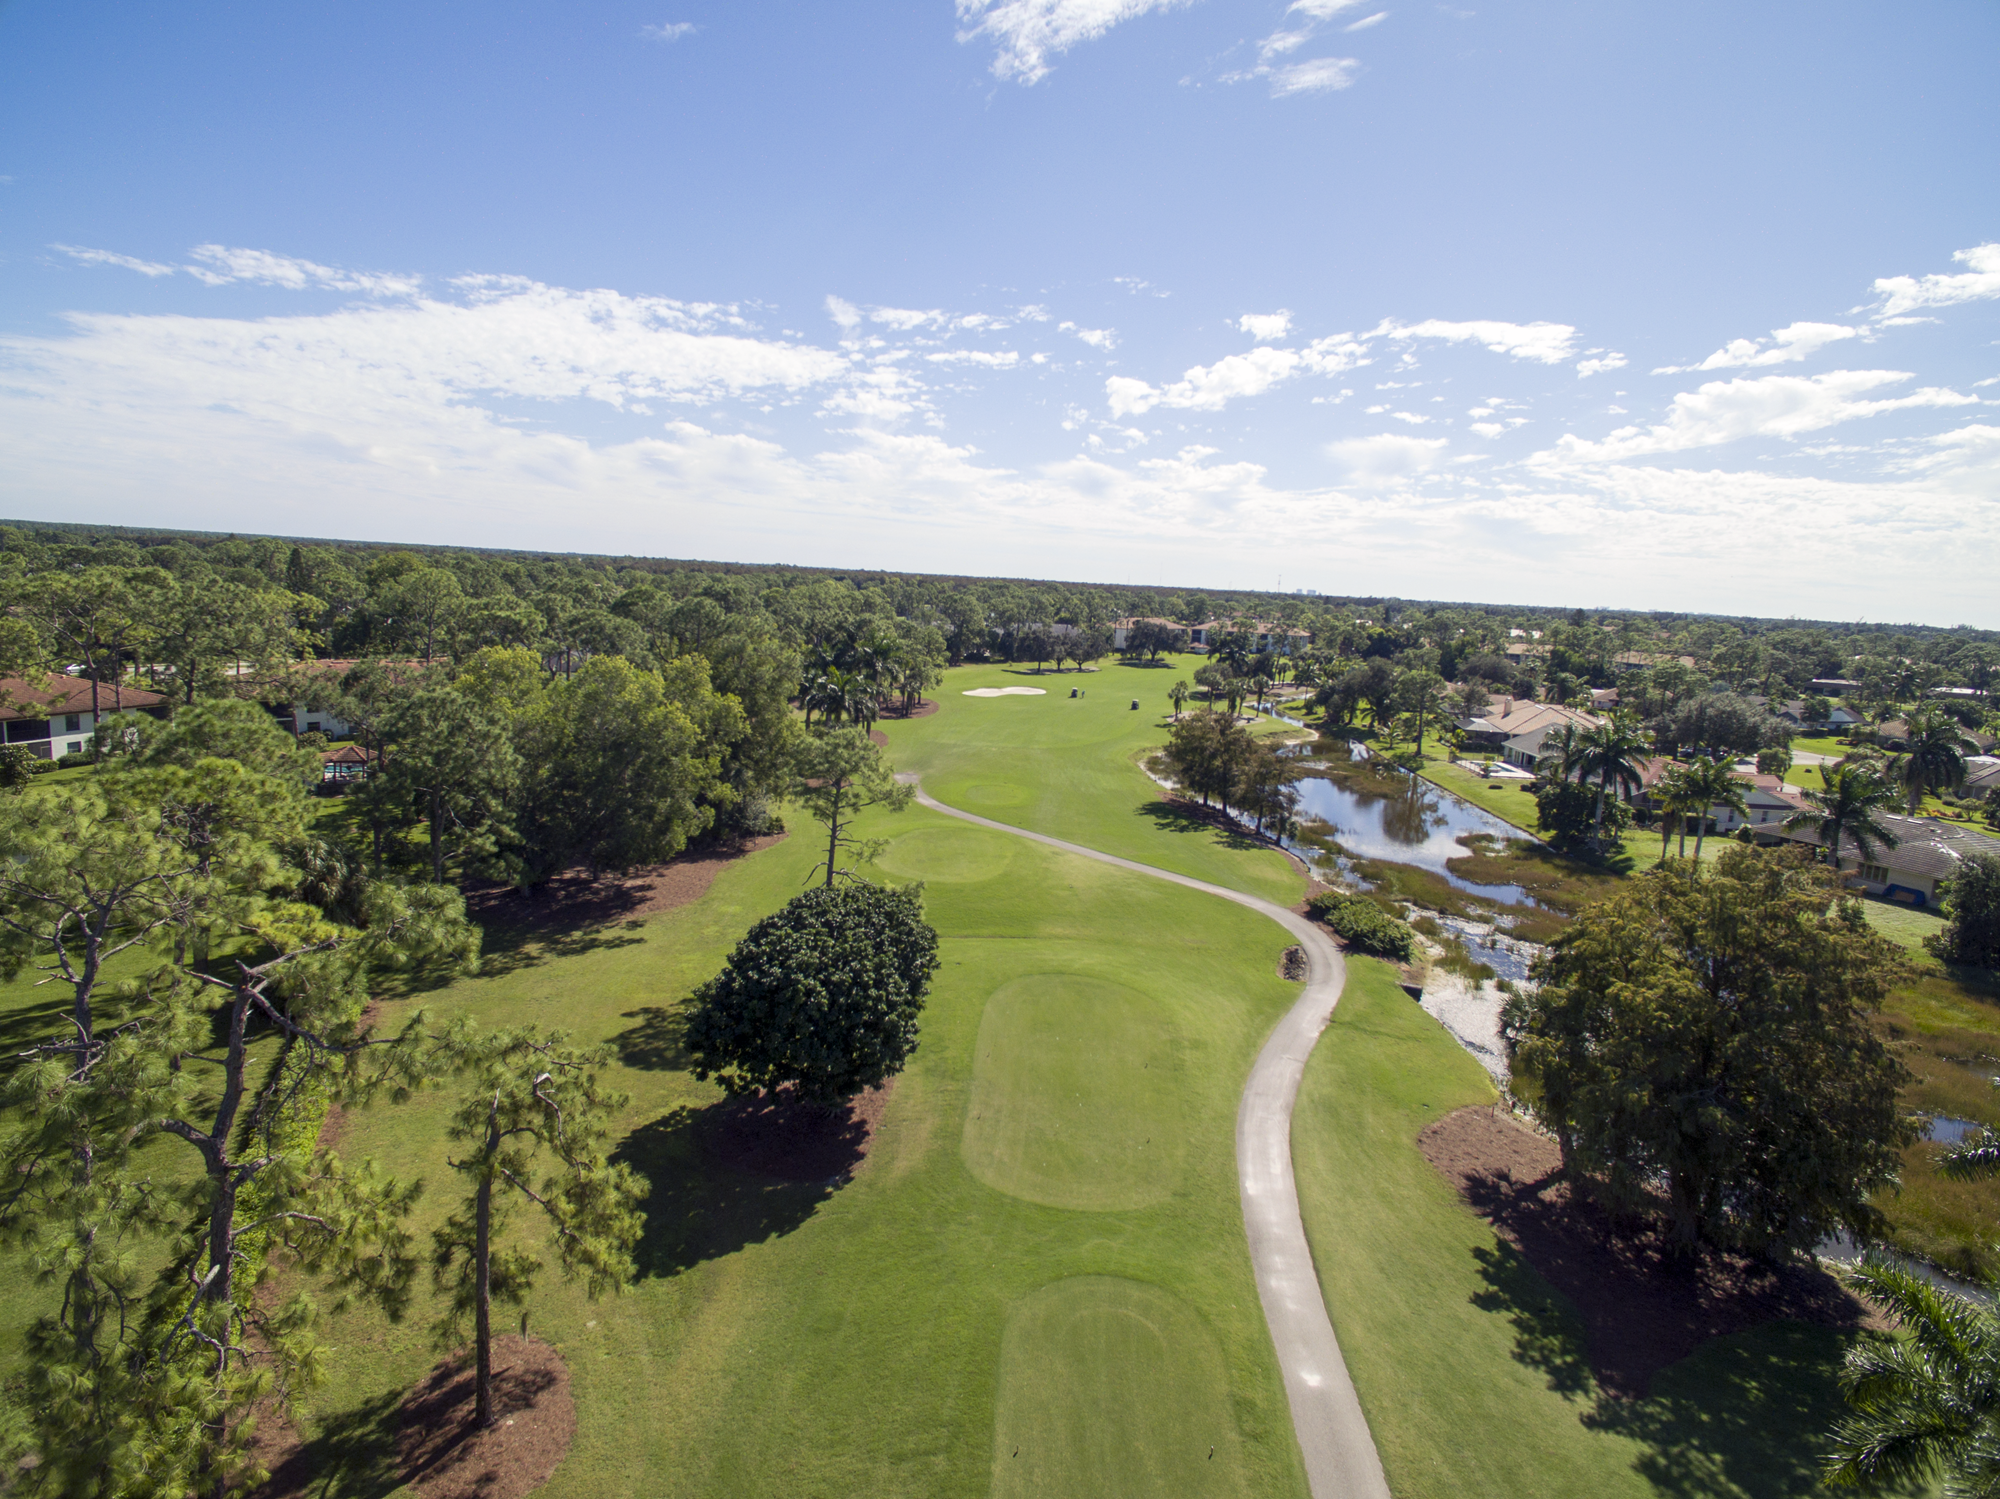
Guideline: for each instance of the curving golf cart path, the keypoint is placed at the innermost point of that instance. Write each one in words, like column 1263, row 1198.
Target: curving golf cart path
column 1341, row 1461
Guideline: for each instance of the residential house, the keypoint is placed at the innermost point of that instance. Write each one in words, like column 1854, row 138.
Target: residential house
column 312, row 716
column 1834, row 686
column 1982, row 778
column 1266, row 635
column 52, row 716
column 1894, row 734
column 1927, row 853
column 1517, row 727
column 1838, row 720
column 1121, row 629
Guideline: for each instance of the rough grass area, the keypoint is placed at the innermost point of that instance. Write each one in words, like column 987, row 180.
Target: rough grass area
column 1946, row 1027
column 1561, row 885
column 1472, row 1369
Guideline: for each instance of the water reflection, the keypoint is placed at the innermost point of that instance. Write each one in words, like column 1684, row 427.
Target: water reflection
column 1414, row 822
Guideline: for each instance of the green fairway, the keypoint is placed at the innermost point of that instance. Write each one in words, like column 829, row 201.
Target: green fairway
column 1066, row 766
column 1052, row 1187
column 1471, row 1368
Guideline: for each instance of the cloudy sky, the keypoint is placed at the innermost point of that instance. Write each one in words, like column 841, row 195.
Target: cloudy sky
column 1687, row 306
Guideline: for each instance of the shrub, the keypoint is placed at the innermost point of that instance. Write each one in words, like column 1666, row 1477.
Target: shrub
column 1364, row 925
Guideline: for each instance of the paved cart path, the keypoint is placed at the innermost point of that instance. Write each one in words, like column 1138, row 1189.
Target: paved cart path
column 1341, row 1461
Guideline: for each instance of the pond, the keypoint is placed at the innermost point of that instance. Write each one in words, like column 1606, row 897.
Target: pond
column 1418, row 824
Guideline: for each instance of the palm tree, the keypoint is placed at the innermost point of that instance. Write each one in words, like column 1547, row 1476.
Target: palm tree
column 1845, row 810
column 1178, row 695
column 1561, row 752
column 1711, row 785
column 1925, row 1403
column 1675, row 800
column 1610, row 753
column 1936, row 756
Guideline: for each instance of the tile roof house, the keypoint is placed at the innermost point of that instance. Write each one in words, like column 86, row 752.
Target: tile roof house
column 1927, row 853
column 51, row 716
column 310, row 715
column 1517, row 727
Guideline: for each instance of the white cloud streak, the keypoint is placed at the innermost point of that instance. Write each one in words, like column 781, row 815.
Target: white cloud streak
column 1784, row 406
column 1546, row 343
column 1265, row 326
column 1027, row 33
column 1211, row 387
column 1794, row 342
column 1905, row 294
column 668, row 31
column 112, row 257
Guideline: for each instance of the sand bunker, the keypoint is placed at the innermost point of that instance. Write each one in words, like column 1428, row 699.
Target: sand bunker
column 1006, row 692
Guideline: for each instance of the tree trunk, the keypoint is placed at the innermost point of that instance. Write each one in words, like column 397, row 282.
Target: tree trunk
column 832, row 838
column 437, row 836
column 482, row 1313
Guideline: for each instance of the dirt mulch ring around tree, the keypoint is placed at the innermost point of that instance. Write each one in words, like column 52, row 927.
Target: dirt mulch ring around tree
column 444, row 1457
column 1642, row 1307
column 576, row 899
column 774, row 1136
column 880, row 739
column 923, row 709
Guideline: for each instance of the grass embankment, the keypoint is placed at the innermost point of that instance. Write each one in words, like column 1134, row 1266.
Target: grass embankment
column 1471, row 1368
column 1043, row 1251
column 1065, row 766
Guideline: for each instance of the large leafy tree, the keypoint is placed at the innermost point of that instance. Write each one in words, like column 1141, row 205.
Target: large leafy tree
column 1713, row 1034
column 449, row 759
column 621, row 766
column 823, row 995
column 1971, row 933
column 534, row 1102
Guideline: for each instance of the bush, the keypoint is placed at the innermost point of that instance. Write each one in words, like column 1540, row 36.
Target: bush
column 1364, row 925
column 17, row 764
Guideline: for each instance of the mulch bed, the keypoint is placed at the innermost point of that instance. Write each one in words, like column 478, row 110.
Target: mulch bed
column 443, row 1457
column 1643, row 1307
column 576, row 899
column 879, row 738
column 924, row 709
column 773, row 1136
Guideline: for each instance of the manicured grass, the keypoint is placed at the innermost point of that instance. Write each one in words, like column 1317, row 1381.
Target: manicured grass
column 1471, row 1368
column 1068, row 767
column 984, row 1282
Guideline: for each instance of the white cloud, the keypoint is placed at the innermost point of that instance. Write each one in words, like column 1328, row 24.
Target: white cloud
column 1211, row 387
column 1265, row 326
column 1772, row 406
column 1585, row 368
column 219, row 265
column 904, row 319
column 1411, row 417
column 1366, row 21
column 1387, row 460
column 843, row 312
column 1320, row 10
column 1319, row 76
column 1028, row 32
column 111, row 257
column 1903, row 294
column 1098, row 338
column 1001, row 361
column 668, row 31
column 1794, row 342
column 1546, row 343
column 1488, row 429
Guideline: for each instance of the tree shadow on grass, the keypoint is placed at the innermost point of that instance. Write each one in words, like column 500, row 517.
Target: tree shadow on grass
column 1191, row 817
column 509, row 949
column 655, row 1041
column 353, row 1456
column 1745, row 1416
column 735, row 1173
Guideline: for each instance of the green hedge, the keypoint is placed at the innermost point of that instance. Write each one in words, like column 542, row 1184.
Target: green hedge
column 1364, row 925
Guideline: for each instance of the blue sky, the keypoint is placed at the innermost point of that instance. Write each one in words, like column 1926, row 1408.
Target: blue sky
column 1687, row 307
